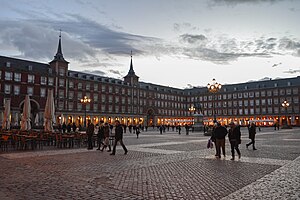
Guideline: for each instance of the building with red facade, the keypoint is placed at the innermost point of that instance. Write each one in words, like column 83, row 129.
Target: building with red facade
column 135, row 102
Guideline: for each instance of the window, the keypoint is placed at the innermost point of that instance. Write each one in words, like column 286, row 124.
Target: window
column 50, row 81
column 79, row 95
column 43, row 92
column 60, row 105
column 50, row 71
column 79, row 86
column 275, row 92
column 257, row 102
column 95, row 87
column 295, row 90
column 16, row 90
column 103, row 88
column 30, row 67
column 88, row 86
column 110, row 99
column 71, row 95
column 17, row 77
column 269, row 93
column 110, row 89
column 252, row 102
column 263, row 93
column 70, row 106
column 30, row 78
column 95, row 98
column 8, row 64
column 7, row 88
column 8, row 76
column 71, row 84
column 30, row 91
column 256, row 94
column 61, row 94
column 61, row 82
column 43, row 80
column 251, row 94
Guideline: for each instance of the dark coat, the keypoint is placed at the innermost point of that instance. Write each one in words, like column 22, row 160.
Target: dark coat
column 234, row 135
column 119, row 132
column 252, row 132
column 219, row 132
column 101, row 132
column 90, row 130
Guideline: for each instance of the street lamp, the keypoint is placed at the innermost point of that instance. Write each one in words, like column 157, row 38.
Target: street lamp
column 192, row 109
column 85, row 101
column 214, row 87
column 285, row 104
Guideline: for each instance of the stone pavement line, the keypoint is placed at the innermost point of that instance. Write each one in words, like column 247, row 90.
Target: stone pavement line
column 283, row 183
column 42, row 153
column 203, row 153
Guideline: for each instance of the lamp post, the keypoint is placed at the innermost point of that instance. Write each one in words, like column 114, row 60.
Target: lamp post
column 285, row 104
column 85, row 100
column 192, row 109
column 214, row 87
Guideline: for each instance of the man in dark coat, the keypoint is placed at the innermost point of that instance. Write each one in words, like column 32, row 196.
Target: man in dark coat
column 218, row 136
column 118, row 138
column 252, row 132
column 90, row 133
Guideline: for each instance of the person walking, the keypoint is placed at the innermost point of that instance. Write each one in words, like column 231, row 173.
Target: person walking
column 100, row 135
column 118, row 138
column 90, row 132
column 106, row 138
column 218, row 136
column 234, row 136
column 252, row 132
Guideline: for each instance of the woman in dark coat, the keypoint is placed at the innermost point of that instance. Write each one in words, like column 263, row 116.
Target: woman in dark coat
column 234, row 135
column 252, row 132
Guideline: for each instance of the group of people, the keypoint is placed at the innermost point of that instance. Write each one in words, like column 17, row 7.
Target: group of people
column 234, row 135
column 103, row 136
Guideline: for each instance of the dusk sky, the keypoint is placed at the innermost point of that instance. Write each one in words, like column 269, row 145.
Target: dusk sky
column 174, row 42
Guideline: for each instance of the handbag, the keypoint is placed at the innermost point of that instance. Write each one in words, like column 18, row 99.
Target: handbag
column 210, row 144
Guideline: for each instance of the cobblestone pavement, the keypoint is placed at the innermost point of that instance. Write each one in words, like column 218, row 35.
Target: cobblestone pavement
column 168, row 166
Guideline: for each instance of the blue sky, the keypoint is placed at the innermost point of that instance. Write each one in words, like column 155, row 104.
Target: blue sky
column 175, row 43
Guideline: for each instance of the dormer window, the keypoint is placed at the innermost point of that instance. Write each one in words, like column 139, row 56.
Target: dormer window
column 289, row 83
column 8, row 64
column 50, row 71
column 30, row 67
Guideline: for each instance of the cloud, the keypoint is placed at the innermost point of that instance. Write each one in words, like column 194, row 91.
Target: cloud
column 222, row 49
column 95, row 72
column 236, row 2
column 192, row 39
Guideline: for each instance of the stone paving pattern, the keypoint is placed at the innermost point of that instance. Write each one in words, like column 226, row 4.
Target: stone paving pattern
column 168, row 166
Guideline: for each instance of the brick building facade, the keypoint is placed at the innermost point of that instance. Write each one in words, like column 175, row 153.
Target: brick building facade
column 135, row 102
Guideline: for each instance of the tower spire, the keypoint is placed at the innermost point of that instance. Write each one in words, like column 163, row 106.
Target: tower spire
column 131, row 77
column 59, row 55
column 131, row 71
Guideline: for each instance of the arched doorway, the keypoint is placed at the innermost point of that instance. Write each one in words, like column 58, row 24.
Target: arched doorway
column 150, row 117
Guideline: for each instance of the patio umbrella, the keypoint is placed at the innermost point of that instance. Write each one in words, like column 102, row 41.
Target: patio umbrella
column 6, row 116
column 25, row 121
column 36, row 119
column 61, row 118
column 49, row 116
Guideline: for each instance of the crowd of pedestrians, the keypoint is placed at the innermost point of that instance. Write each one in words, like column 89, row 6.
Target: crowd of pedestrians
column 219, row 133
